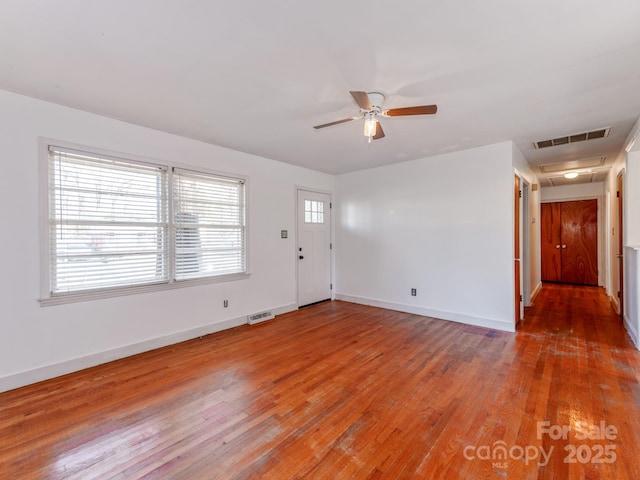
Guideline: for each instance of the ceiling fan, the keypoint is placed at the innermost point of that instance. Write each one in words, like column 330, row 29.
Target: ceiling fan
column 371, row 107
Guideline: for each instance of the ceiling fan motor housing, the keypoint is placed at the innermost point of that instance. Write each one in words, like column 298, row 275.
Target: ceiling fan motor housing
column 376, row 99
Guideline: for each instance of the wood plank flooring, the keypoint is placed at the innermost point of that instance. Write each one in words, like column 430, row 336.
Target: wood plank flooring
column 343, row 391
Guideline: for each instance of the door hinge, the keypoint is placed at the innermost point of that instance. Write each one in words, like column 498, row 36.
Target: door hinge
column 618, row 194
column 330, row 204
column 331, row 246
column 520, row 192
column 331, row 286
column 520, row 297
column 618, row 293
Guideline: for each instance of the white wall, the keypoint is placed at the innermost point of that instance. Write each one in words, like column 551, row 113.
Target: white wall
column 442, row 225
column 631, row 235
column 572, row 192
column 627, row 165
column 632, row 199
column 632, row 293
column 40, row 342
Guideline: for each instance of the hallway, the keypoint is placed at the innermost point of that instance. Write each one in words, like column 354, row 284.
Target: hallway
column 575, row 314
column 590, row 368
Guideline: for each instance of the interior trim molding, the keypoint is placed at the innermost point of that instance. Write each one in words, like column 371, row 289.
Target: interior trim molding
column 428, row 312
column 615, row 303
column 46, row 372
column 535, row 292
column 631, row 332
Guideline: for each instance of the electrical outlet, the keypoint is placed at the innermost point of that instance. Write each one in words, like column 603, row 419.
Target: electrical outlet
column 226, row 303
column 413, row 292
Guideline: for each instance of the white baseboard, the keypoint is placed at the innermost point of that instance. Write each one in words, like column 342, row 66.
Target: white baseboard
column 633, row 333
column 46, row 372
column 616, row 304
column 427, row 312
column 535, row 292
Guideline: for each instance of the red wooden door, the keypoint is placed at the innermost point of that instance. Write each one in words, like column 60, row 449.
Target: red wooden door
column 569, row 245
column 580, row 242
column 551, row 233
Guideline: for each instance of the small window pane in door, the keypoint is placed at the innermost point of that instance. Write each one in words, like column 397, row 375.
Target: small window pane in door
column 313, row 211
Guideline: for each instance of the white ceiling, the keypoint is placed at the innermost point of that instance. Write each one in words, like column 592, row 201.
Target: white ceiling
column 256, row 75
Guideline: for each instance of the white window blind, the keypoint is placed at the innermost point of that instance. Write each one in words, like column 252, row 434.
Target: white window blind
column 107, row 222
column 208, row 225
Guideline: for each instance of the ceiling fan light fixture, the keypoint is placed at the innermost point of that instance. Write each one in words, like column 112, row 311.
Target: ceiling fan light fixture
column 571, row 175
column 370, row 126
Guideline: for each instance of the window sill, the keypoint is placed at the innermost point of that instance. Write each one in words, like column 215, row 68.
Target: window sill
column 125, row 291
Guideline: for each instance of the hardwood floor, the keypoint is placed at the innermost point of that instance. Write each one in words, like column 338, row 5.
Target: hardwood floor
column 343, row 391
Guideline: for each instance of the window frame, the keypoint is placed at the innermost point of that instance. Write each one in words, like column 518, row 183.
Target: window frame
column 46, row 296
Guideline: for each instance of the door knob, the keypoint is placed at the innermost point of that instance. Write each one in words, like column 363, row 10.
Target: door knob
column 300, row 257
column 564, row 246
column 557, row 246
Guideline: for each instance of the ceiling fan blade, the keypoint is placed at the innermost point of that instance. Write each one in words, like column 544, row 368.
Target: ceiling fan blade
column 423, row 110
column 362, row 99
column 337, row 122
column 379, row 131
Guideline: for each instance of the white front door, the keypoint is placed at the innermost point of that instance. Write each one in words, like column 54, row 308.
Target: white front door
column 313, row 251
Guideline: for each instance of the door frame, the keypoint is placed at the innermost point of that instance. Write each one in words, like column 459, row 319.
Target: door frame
column 517, row 249
column 524, row 233
column 608, row 284
column 525, row 238
column 620, row 241
column 297, row 189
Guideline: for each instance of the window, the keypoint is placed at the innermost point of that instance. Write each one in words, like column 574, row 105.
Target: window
column 114, row 223
column 208, row 225
column 313, row 211
column 107, row 222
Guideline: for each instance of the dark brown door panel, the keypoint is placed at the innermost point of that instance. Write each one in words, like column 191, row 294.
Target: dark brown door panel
column 569, row 243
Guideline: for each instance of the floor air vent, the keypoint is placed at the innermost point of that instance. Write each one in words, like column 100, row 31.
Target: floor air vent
column 260, row 317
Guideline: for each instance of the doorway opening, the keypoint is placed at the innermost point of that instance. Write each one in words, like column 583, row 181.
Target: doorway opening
column 522, row 253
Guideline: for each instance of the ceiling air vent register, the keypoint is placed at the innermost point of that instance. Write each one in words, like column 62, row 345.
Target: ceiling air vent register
column 577, row 137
